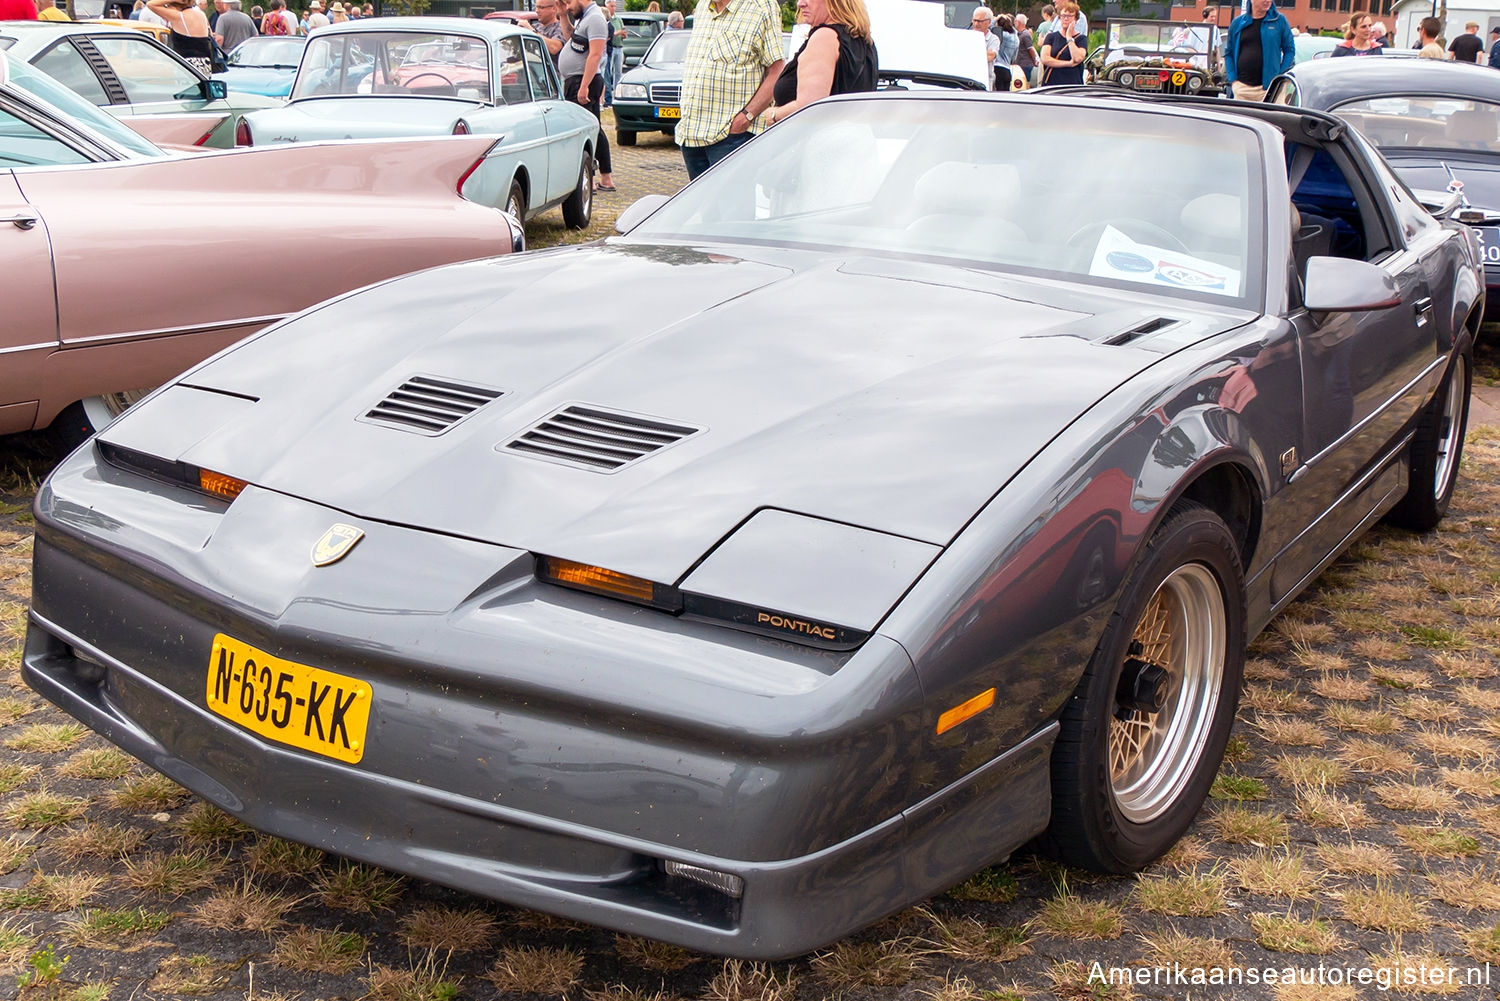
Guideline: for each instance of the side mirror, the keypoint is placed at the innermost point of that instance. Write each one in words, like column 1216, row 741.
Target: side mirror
column 1339, row 285
column 1440, row 203
column 214, row 90
column 638, row 211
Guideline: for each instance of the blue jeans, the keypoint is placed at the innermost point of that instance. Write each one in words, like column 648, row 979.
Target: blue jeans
column 615, row 69
column 700, row 158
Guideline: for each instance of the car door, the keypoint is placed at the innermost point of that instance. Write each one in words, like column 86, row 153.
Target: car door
column 1364, row 373
column 546, row 94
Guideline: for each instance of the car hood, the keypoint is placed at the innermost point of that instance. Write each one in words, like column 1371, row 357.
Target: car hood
column 358, row 117
column 265, row 81
column 1431, row 172
column 869, row 392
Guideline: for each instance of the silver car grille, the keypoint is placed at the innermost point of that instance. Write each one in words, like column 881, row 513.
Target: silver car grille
column 424, row 405
column 600, row 440
column 666, row 93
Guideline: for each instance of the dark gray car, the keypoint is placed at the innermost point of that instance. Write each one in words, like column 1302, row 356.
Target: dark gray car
column 912, row 526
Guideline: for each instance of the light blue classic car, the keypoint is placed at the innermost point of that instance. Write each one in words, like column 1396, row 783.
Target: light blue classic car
column 264, row 65
column 419, row 76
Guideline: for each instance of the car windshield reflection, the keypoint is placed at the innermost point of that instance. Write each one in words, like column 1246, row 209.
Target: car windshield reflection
column 392, row 63
column 670, row 49
column 951, row 181
column 1453, row 124
column 268, row 52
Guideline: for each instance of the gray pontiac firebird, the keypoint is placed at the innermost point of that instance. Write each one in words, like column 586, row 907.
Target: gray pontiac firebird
column 927, row 515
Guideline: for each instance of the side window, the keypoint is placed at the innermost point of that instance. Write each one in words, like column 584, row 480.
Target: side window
column 1412, row 217
column 1331, row 196
column 146, row 72
column 512, row 73
column 65, row 64
column 24, row 145
column 1283, row 91
column 537, row 62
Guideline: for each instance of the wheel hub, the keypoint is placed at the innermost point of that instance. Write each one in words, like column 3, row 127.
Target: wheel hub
column 1143, row 686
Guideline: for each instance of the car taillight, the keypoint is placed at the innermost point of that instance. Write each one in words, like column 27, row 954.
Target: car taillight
column 460, row 128
column 464, row 180
column 204, row 138
column 242, row 135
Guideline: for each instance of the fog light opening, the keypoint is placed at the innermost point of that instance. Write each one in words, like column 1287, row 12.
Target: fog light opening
column 725, row 882
column 86, row 669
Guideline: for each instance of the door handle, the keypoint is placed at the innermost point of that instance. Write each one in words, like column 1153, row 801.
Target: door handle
column 20, row 220
column 1423, row 308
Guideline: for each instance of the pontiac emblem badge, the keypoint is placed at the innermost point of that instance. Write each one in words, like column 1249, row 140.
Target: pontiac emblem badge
column 335, row 544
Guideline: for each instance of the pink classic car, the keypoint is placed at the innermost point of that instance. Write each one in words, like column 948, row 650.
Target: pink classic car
column 123, row 264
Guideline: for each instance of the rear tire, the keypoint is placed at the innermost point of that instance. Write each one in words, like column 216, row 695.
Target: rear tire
column 578, row 208
column 515, row 202
column 78, row 422
column 1127, row 781
column 624, row 138
column 1436, row 449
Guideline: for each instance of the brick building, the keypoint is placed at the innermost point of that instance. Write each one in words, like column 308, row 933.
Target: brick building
column 1309, row 15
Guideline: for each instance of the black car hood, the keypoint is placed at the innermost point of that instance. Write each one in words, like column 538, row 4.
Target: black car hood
column 868, row 392
column 1432, row 172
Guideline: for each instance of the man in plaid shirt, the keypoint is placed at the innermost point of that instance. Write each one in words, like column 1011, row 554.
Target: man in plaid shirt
column 732, row 64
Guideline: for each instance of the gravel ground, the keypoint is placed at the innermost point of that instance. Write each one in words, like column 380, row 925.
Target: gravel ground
column 1355, row 825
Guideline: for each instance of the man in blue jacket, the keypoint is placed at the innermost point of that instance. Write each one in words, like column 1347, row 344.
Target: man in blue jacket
column 1260, row 47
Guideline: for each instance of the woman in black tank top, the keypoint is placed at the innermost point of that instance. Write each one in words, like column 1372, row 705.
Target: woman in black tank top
column 189, row 35
column 837, row 58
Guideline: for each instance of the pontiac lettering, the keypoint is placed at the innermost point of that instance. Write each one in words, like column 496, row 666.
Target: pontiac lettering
column 795, row 625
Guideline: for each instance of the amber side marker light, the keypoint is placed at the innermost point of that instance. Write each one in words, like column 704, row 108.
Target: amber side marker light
column 598, row 580
column 965, row 710
column 220, row 485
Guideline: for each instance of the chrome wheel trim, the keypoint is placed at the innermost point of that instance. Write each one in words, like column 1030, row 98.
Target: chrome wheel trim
column 1182, row 630
column 1448, row 432
column 513, row 206
column 586, row 188
column 102, row 409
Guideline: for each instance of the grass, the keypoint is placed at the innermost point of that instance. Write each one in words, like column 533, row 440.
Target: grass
column 853, row 963
column 424, row 980
column 103, row 763
column 1384, row 907
column 967, row 938
column 1243, row 825
column 526, row 969
column 453, row 929
column 42, row 810
column 190, row 975
column 94, row 925
column 318, row 950
column 1358, row 859
column 738, row 980
column 995, row 886
column 1237, row 787
column 175, row 874
column 1192, row 895
column 1284, row 874
column 1287, row 933
column 48, row 738
column 244, row 906
column 359, row 888
column 150, row 793
column 1438, row 842
column 1067, row 915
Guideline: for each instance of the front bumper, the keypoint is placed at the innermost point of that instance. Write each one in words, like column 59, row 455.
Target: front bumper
column 483, row 779
column 641, row 116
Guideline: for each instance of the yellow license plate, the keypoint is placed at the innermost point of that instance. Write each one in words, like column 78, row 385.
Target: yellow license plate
column 291, row 703
column 668, row 112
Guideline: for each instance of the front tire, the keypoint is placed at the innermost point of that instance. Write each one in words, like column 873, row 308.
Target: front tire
column 80, row 421
column 578, row 208
column 1436, row 449
column 1127, row 779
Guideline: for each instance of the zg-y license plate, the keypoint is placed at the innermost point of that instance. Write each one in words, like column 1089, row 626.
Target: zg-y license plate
column 668, row 112
column 291, row 703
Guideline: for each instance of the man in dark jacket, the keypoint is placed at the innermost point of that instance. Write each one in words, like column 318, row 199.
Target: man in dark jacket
column 1260, row 47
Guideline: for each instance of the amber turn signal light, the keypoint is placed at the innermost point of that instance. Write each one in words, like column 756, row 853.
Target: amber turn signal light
column 965, row 710
column 226, row 487
column 597, row 580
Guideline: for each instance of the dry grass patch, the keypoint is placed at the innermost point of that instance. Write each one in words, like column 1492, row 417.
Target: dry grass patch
column 1483, row 944
column 1243, row 788
column 359, row 888
column 1274, row 701
column 1376, row 757
column 1358, row 859
column 42, row 810
column 174, row 874
column 69, row 891
column 272, row 856
column 1310, row 770
column 1472, row 781
column 1438, row 842
column 620, row 992
column 1189, row 951
column 1425, row 972
column 992, row 886
column 1401, row 679
column 1353, row 719
column 1424, row 709
column 1068, row 915
column 1415, row 798
column 1318, row 807
column 1277, row 874
column 1260, row 669
column 1073, row 981
column 1314, row 659
column 15, row 943
column 48, row 738
column 1459, row 746
column 1343, row 688
column 1483, row 699
column 1289, row 933
column 448, row 928
column 12, row 709
column 318, row 950
column 424, row 981
column 13, row 775
column 967, row 938
column 97, row 842
column 206, row 824
column 190, row 975
column 891, row 963
column 653, row 955
column 1302, row 633
column 1191, row 895
column 1186, row 854
column 1243, row 825
column 739, row 980
column 105, row 763
column 14, row 851
column 528, row 969
column 150, row 793
column 106, row 928
column 1383, row 907
column 244, row 906
column 1314, row 992
column 1466, row 667
column 1468, row 890
column 1379, row 648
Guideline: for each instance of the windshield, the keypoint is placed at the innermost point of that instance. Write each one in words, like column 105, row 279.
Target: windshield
column 282, row 53
column 940, row 179
column 670, row 49
column 400, row 63
column 1192, row 42
column 38, row 84
column 1434, row 123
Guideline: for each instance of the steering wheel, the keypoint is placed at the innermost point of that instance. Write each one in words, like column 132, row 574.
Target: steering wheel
column 446, row 90
column 1186, row 50
column 1080, row 245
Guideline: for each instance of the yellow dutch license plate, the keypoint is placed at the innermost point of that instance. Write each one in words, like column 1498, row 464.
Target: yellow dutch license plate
column 668, row 112
column 291, row 703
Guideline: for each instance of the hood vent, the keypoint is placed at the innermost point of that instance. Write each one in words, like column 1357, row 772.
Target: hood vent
column 424, row 405
column 596, row 439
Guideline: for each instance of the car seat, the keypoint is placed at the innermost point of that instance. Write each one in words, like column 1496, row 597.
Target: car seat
column 959, row 206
